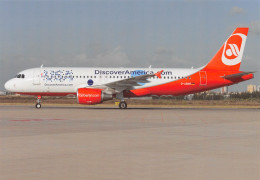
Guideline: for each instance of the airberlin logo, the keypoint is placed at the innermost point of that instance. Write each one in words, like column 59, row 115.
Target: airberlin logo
column 233, row 49
column 89, row 95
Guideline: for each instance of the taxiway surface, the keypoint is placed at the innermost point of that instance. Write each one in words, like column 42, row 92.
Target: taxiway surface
column 137, row 143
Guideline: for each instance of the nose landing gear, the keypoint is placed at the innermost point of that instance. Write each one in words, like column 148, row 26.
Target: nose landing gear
column 38, row 104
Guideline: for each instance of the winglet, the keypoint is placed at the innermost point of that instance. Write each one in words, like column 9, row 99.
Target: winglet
column 159, row 74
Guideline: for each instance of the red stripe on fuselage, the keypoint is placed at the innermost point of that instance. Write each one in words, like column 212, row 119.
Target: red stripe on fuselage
column 47, row 93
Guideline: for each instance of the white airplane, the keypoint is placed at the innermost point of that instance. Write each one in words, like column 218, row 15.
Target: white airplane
column 95, row 85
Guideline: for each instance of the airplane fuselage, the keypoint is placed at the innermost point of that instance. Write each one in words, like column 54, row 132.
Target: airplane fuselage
column 62, row 81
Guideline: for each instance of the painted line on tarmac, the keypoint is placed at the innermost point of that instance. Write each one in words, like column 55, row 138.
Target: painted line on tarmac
column 30, row 120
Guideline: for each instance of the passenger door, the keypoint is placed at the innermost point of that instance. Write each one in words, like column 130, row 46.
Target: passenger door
column 203, row 78
column 36, row 77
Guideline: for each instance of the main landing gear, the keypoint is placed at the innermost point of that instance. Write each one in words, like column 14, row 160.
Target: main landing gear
column 122, row 105
column 38, row 104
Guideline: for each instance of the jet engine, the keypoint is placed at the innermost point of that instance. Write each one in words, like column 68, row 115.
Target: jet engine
column 92, row 96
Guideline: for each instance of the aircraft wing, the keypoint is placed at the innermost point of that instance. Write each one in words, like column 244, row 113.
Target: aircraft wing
column 237, row 75
column 133, row 81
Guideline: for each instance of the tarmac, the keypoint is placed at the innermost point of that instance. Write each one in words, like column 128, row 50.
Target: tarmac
column 104, row 142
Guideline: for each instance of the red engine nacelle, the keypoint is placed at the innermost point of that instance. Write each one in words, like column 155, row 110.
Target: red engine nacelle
column 92, row 96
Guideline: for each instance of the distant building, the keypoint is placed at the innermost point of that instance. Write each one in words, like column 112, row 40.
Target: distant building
column 251, row 88
column 258, row 88
column 224, row 90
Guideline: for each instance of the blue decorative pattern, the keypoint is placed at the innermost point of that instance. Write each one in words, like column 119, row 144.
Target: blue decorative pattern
column 138, row 73
column 57, row 76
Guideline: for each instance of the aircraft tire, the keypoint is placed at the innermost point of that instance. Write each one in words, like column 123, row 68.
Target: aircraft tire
column 123, row 105
column 38, row 105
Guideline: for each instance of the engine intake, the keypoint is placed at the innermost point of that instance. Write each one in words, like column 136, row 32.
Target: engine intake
column 92, row 96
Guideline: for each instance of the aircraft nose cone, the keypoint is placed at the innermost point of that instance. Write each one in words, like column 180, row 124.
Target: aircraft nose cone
column 8, row 85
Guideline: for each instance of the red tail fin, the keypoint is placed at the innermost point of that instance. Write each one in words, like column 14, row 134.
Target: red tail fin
column 230, row 54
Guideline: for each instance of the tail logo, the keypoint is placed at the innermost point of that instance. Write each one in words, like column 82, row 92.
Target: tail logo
column 233, row 49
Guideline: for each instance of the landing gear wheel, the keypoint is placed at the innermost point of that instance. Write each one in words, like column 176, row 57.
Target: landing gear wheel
column 122, row 105
column 38, row 106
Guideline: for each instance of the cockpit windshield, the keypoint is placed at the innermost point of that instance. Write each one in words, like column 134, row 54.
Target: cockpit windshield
column 20, row 76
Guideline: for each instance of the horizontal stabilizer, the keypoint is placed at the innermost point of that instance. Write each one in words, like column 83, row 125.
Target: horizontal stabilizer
column 237, row 75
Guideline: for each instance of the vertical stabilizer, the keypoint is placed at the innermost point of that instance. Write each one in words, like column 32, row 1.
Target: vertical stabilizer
column 230, row 54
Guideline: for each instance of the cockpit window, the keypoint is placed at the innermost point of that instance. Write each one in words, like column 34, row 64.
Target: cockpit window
column 20, row 76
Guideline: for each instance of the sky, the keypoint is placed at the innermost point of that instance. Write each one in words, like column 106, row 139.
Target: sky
column 124, row 33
